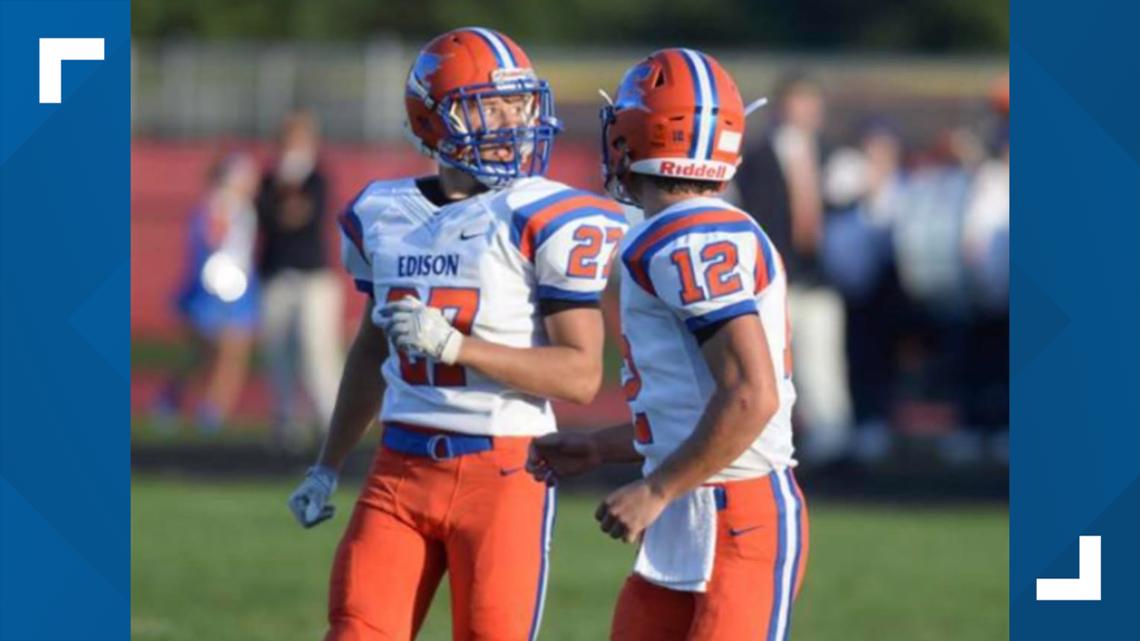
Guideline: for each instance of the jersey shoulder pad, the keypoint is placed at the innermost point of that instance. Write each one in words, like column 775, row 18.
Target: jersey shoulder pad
column 540, row 211
column 366, row 207
column 378, row 196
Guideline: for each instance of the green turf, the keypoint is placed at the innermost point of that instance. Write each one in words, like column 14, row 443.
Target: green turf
column 225, row 562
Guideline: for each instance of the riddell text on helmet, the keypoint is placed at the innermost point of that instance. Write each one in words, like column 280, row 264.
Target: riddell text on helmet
column 712, row 172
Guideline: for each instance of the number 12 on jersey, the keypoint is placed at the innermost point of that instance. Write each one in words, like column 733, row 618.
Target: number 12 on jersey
column 719, row 277
column 462, row 303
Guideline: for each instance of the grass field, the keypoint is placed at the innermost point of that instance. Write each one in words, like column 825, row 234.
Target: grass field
column 225, row 562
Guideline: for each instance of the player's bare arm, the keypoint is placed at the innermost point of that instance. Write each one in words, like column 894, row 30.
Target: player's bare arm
column 571, row 453
column 357, row 402
column 576, row 337
column 358, row 398
column 744, row 401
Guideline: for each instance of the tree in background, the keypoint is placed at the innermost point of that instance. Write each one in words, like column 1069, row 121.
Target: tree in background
column 916, row 25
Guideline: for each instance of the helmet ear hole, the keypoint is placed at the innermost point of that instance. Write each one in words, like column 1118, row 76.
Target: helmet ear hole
column 660, row 79
column 623, row 159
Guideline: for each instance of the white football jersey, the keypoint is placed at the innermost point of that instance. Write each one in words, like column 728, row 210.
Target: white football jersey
column 698, row 263
column 486, row 262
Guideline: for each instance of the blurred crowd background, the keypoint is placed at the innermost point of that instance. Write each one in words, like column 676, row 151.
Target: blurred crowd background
column 880, row 169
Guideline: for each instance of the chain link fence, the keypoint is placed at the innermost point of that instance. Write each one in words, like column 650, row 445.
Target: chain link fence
column 192, row 89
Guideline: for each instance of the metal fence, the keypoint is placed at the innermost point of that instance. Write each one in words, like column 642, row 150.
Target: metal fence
column 189, row 89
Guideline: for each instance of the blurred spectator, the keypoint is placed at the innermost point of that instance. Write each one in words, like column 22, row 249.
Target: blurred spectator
column 303, row 297
column 865, row 186
column 985, row 247
column 218, row 300
column 921, row 257
column 823, row 406
column 985, row 233
column 932, row 351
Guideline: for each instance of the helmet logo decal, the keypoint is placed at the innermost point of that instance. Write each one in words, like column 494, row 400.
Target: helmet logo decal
column 508, row 77
column 630, row 95
column 692, row 169
column 685, row 168
column 419, row 80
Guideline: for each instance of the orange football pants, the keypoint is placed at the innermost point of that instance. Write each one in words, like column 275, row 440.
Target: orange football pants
column 761, row 552
column 478, row 517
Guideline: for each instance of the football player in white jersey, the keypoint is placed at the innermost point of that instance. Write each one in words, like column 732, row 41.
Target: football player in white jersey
column 481, row 279
column 720, row 518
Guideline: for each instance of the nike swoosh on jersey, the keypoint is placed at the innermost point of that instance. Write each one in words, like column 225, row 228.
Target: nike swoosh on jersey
column 465, row 235
column 743, row 531
column 504, row 471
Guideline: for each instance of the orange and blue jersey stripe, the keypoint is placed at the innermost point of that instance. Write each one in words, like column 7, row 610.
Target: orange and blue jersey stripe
column 350, row 223
column 550, row 292
column 533, row 224
column 668, row 227
column 739, row 308
column 353, row 229
column 766, row 260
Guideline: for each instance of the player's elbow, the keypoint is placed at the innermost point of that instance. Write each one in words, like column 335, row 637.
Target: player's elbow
column 587, row 388
column 583, row 386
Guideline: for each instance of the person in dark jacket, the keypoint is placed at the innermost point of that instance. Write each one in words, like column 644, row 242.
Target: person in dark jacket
column 780, row 183
column 302, row 298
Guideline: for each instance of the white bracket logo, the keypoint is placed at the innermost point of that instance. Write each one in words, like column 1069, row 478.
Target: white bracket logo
column 1086, row 587
column 53, row 51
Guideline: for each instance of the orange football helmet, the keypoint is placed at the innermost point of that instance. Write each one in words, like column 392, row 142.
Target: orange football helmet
column 676, row 114
column 474, row 102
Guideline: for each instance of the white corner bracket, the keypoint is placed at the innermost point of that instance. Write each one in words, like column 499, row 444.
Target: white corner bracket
column 53, row 51
column 1086, row 587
